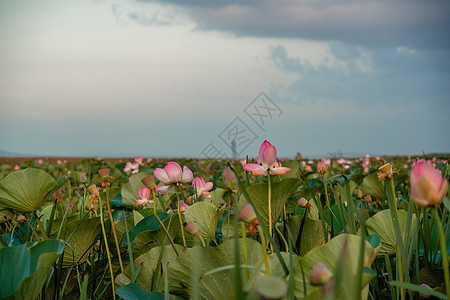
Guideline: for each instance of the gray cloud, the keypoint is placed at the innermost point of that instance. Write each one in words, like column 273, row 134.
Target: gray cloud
column 414, row 24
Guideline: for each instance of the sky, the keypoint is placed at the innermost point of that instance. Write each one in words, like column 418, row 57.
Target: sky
column 193, row 78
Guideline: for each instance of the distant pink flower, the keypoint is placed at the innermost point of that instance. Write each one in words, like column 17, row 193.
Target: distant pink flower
column 322, row 167
column 139, row 160
column 428, row 188
column 202, row 187
column 183, row 206
column 172, row 174
column 134, row 167
column 144, row 193
column 268, row 159
column 308, row 168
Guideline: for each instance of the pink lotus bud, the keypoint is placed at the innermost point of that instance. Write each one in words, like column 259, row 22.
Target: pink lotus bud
column 183, row 206
column 428, row 188
column 83, row 177
column 21, row 219
column 359, row 193
column 319, row 274
column 103, row 172
column 308, row 168
column 229, row 178
column 423, row 295
column 191, row 228
column 267, row 155
column 302, row 202
column 322, row 167
column 246, row 213
column 144, row 193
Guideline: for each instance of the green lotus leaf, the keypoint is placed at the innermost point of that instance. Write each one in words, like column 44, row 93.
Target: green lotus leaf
column 26, row 190
column 381, row 224
column 82, row 235
column 312, row 234
column 281, row 191
column 373, row 186
column 134, row 291
column 24, row 269
column 206, row 216
column 192, row 264
column 149, row 239
column 330, row 255
column 130, row 190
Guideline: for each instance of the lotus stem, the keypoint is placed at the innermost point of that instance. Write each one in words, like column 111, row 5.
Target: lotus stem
column 164, row 228
column 264, row 249
column 443, row 243
column 399, row 253
column 244, row 240
column 106, row 245
column 282, row 238
column 270, row 205
column 113, row 228
column 179, row 216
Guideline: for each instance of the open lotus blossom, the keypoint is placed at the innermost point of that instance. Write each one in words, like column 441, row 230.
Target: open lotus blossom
column 268, row 159
column 202, row 187
column 172, row 174
column 145, row 194
column 428, row 188
column 139, row 160
column 134, row 167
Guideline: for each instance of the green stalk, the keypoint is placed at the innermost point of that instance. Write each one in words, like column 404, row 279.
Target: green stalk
column 264, row 249
column 179, row 217
column 113, row 227
column 443, row 251
column 244, row 241
column 164, row 227
column 282, row 238
column 270, row 202
column 106, row 245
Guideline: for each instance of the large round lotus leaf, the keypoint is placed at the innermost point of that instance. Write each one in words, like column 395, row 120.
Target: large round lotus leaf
column 25, row 190
column 130, row 190
column 206, row 216
column 148, row 239
column 330, row 255
column 381, row 224
column 281, row 191
column 372, row 186
column 193, row 263
column 82, row 235
column 312, row 234
column 148, row 264
column 24, row 269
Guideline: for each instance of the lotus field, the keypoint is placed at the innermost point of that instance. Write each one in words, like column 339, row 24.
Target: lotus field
column 258, row 228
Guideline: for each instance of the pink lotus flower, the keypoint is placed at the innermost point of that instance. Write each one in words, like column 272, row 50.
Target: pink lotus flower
column 229, row 178
column 268, row 159
column 308, row 168
column 428, row 188
column 322, row 167
column 139, row 160
column 202, row 187
column 144, row 193
column 183, row 206
column 172, row 174
column 134, row 167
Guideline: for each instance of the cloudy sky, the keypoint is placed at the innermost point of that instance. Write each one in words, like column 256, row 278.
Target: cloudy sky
column 183, row 78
